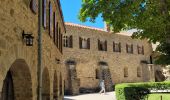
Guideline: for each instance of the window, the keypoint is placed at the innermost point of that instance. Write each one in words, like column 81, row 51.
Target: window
column 102, row 45
column 129, row 48
column 125, row 72
column 97, row 73
column 116, row 47
column 50, row 19
column 140, row 50
column 68, row 41
column 84, row 43
column 138, row 72
column 54, row 30
column 44, row 14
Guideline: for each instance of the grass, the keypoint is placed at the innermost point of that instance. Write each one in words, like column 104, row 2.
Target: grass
column 158, row 97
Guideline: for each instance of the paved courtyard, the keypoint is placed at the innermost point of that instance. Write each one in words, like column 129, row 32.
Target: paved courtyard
column 93, row 96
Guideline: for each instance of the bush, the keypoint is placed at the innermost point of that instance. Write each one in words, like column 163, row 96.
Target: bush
column 138, row 91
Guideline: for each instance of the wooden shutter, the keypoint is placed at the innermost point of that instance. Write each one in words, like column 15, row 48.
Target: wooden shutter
column 119, row 47
column 127, row 48
column 50, row 19
column 59, row 32
column 88, row 43
column 80, row 42
column 113, row 46
column 44, row 14
column 61, row 43
column 143, row 50
column 54, row 25
column 105, row 45
column 132, row 48
column 71, row 41
column 99, row 48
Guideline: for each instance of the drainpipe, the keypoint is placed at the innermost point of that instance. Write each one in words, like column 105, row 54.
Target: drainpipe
column 39, row 69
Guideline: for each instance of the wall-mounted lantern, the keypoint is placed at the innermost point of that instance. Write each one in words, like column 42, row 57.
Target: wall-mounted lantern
column 28, row 38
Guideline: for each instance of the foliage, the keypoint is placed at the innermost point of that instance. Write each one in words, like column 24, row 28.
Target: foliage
column 164, row 49
column 138, row 91
column 158, row 96
column 151, row 18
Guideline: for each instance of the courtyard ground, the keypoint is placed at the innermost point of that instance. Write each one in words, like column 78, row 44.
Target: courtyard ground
column 93, row 96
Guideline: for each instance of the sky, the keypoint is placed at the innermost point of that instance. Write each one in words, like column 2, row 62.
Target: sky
column 70, row 9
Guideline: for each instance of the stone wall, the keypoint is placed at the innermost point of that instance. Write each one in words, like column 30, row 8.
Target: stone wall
column 87, row 59
column 16, row 17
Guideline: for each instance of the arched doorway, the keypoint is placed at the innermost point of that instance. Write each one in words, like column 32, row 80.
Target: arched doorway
column 17, row 84
column 45, row 85
column 55, row 86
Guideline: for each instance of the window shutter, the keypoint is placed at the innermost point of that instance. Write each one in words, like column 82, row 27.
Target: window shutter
column 105, row 45
column 71, row 41
column 113, row 46
column 131, row 48
column 127, row 48
column 44, row 14
column 80, row 42
column 143, row 50
column 50, row 19
column 59, row 37
column 119, row 47
column 99, row 44
column 61, row 43
column 88, row 43
column 54, row 30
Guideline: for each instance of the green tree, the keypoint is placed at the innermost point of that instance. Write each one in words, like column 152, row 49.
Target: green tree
column 151, row 18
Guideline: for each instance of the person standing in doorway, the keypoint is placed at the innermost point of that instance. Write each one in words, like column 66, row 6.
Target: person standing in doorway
column 102, row 86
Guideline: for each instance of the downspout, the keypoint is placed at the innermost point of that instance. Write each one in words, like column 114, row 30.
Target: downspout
column 39, row 69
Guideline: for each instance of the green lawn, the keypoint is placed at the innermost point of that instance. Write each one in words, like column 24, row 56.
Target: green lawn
column 158, row 96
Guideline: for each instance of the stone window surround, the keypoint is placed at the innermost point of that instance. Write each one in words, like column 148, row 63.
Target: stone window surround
column 102, row 45
column 129, row 48
column 140, row 49
column 116, row 46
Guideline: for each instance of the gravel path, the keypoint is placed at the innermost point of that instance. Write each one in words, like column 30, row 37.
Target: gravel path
column 94, row 96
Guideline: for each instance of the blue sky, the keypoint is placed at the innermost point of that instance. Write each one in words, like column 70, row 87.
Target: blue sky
column 71, row 9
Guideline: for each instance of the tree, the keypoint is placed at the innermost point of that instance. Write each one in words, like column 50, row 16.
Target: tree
column 151, row 18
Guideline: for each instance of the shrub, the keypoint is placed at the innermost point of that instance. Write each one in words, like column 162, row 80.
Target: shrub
column 138, row 91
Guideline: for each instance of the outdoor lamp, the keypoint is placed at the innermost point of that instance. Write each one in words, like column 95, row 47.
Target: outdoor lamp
column 28, row 38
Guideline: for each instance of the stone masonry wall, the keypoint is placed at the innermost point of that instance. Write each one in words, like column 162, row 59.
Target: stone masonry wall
column 87, row 60
column 16, row 16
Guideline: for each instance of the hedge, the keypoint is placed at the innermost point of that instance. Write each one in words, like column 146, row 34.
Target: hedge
column 138, row 91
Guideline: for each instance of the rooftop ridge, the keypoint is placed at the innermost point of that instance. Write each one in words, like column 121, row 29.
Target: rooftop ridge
column 123, row 33
column 83, row 26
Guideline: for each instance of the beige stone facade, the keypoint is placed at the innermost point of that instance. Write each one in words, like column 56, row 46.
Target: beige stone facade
column 122, row 66
column 18, row 62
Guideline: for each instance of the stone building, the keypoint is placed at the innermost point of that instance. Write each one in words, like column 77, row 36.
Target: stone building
column 19, row 50
column 92, row 54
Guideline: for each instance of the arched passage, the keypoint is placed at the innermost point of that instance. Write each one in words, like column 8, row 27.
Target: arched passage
column 55, row 86
column 17, row 84
column 45, row 85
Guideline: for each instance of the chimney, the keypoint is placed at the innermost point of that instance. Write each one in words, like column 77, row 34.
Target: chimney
column 107, row 27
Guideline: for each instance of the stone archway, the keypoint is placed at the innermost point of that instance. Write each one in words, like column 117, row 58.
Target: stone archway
column 55, row 86
column 45, row 85
column 17, row 84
